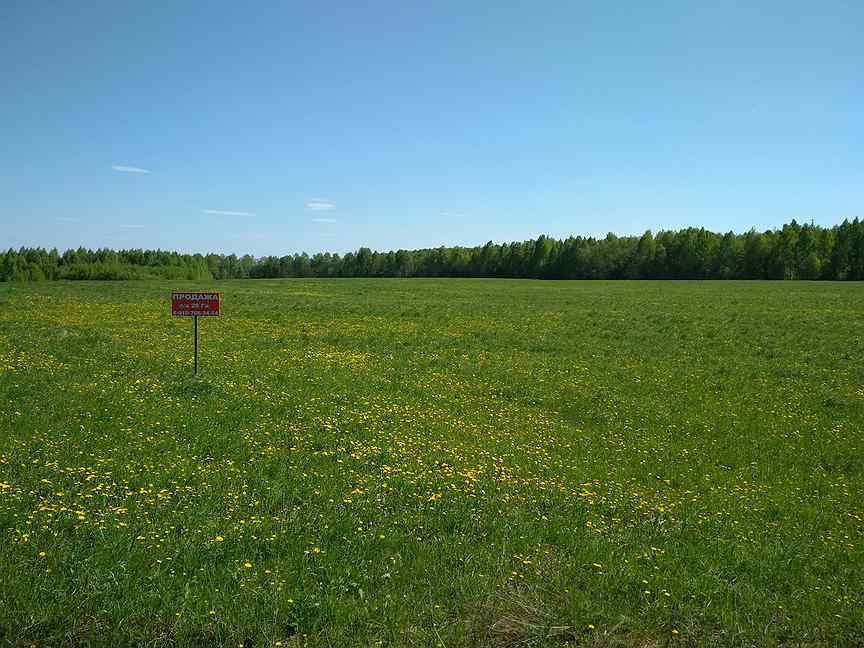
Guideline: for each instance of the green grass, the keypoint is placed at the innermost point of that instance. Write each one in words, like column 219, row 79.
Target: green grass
column 425, row 462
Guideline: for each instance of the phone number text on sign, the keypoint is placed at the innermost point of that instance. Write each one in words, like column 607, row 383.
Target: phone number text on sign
column 196, row 304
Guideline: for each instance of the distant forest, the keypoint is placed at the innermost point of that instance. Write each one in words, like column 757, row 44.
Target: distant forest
column 792, row 252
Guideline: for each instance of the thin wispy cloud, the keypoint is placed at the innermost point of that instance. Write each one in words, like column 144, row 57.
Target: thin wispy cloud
column 324, row 220
column 122, row 168
column 320, row 204
column 224, row 212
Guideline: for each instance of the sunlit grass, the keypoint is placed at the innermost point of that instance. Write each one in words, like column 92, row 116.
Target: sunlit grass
column 433, row 462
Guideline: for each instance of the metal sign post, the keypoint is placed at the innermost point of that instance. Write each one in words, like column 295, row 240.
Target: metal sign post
column 195, row 305
column 195, row 319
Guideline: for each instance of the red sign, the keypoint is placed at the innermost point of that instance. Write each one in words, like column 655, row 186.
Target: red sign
column 196, row 304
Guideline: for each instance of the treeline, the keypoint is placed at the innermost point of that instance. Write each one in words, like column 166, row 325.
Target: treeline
column 792, row 252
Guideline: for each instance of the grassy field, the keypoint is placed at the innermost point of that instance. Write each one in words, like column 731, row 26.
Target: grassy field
column 438, row 463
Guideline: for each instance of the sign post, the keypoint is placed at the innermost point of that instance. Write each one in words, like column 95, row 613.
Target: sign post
column 195, row 305
column 195, row 319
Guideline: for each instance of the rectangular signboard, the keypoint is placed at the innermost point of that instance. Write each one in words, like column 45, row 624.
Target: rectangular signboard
column 196, row 304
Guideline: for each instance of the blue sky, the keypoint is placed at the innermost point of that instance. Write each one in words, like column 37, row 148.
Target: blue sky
column 327, row 126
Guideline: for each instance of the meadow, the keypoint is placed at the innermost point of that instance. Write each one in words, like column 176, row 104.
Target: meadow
column 433, row 463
